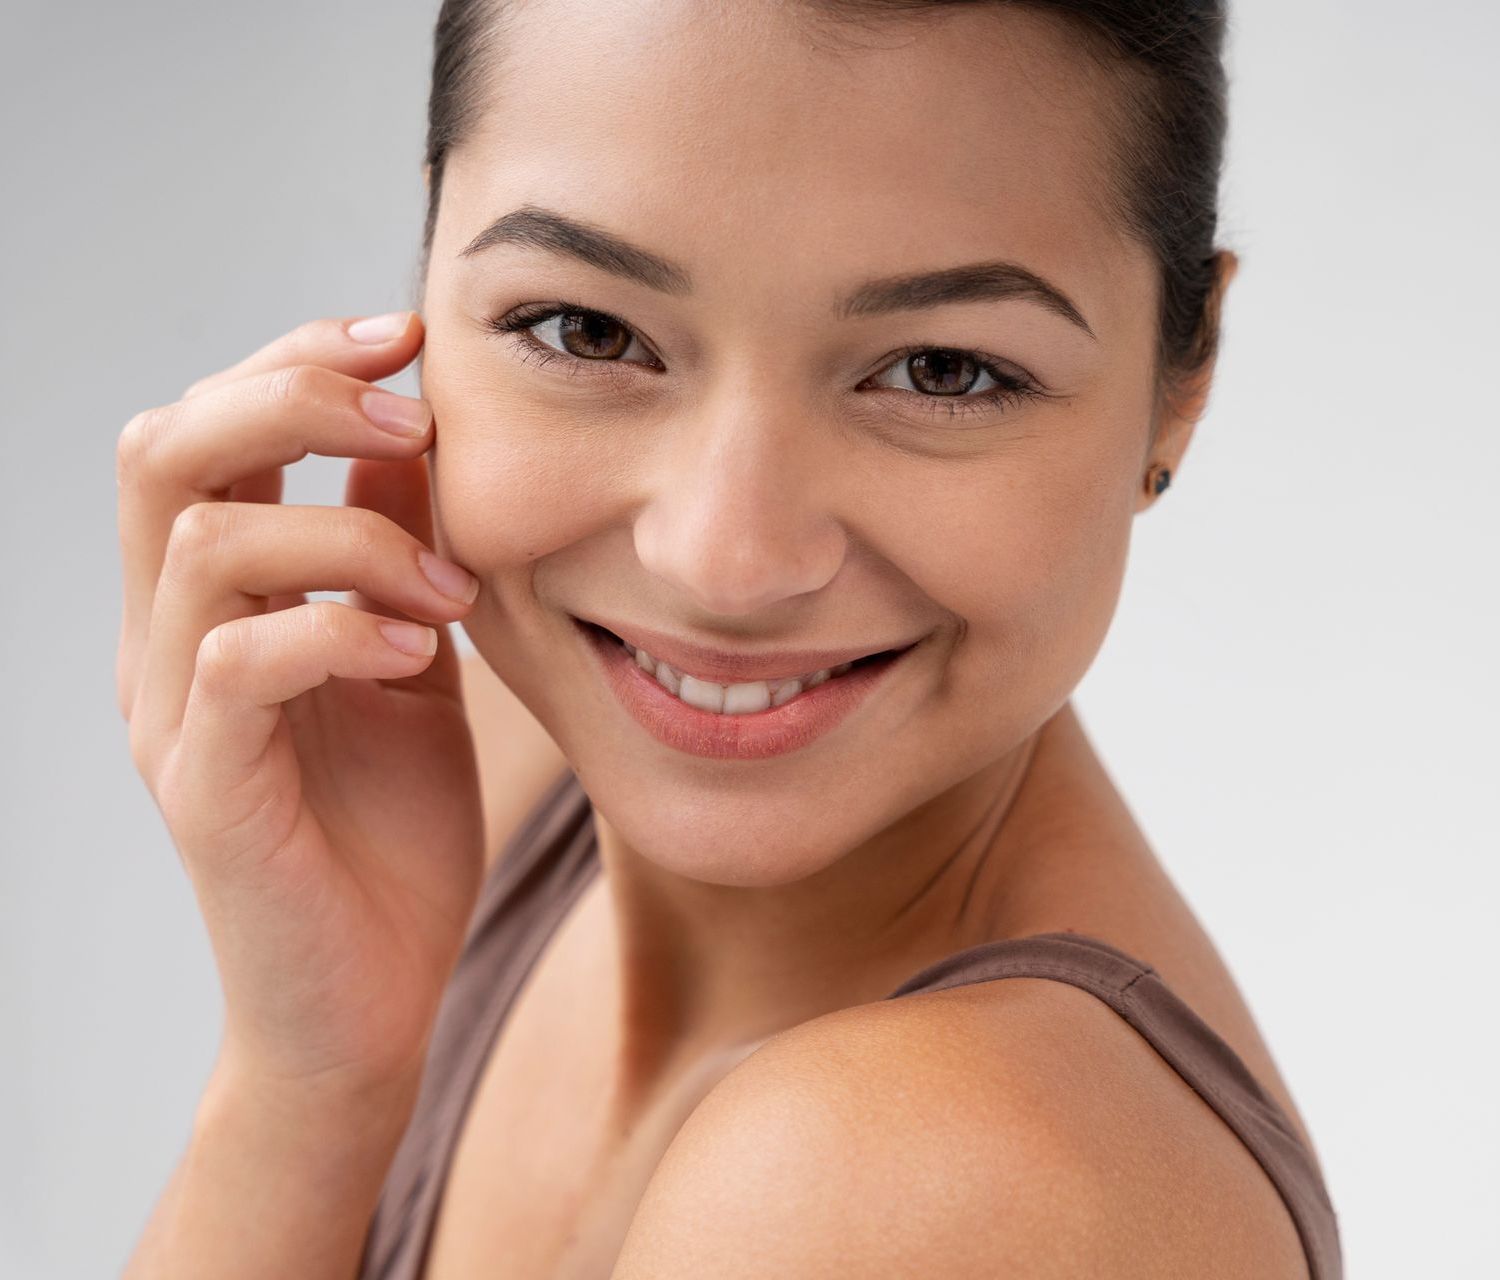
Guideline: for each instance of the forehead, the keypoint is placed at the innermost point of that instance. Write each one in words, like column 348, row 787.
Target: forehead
column 823, row 149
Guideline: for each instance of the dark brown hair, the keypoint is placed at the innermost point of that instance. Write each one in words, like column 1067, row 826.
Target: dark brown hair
column 1168, row 59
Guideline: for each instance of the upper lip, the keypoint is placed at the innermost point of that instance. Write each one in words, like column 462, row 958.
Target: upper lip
column 736, row 668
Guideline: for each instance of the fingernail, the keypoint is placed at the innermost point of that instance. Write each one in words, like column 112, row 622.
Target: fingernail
column 454, row 582
column 400, row 415
column 409, row 637
column 379, row 328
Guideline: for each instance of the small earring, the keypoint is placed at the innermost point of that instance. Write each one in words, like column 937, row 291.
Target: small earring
column 1158, row 478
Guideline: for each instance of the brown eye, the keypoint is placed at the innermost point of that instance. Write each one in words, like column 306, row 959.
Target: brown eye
column 578, row 336
column 942, row 372
column 592, row 336
column 939, row 380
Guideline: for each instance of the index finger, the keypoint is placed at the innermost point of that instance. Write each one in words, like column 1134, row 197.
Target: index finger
column 366, row 347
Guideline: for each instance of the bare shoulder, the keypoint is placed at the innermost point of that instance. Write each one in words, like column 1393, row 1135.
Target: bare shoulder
column 1012, row 1128
column 517, row 757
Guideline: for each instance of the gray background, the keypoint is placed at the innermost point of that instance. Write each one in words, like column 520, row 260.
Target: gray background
column 1298, row 695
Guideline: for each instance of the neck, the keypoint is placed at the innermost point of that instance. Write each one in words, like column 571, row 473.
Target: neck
column 708, row 971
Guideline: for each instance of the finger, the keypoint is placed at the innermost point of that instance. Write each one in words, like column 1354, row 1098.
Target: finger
column 368, row 348
column 199, row 449
column 266, row 487
column 400, row 490
column 226, row 558
column 245, row 670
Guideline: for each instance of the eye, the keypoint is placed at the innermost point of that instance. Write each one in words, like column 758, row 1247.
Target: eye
column 941, row 377
column 938, row 378
column 575, row 334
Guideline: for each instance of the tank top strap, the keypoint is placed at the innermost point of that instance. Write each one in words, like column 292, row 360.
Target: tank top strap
column 527, row 890
column 533, row 855
column 1189, row 1045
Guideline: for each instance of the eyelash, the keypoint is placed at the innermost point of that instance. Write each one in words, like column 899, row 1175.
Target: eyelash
column 1012, row 390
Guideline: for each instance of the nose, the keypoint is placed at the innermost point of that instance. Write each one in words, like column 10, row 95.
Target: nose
column 738, row 515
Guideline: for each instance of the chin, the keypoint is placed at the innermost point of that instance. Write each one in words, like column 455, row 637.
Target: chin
column 740, row 843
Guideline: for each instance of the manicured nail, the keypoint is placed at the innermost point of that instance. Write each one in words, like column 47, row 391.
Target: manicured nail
column 453, row 581
column 410, row 637
column 379, row 328
column 400, row 415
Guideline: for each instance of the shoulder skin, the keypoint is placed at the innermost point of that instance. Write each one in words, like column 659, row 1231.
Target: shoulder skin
column 1018, row 1128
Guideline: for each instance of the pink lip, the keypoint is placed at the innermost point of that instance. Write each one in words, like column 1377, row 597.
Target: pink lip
column 736, row 668
column 760, row 734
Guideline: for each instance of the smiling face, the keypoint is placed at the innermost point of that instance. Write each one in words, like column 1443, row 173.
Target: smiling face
column 737, row 445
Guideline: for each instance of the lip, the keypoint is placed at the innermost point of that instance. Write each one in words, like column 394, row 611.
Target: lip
column 735, row 668
column 755, row 736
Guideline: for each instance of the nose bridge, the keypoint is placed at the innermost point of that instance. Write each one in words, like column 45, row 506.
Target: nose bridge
column 739, row 513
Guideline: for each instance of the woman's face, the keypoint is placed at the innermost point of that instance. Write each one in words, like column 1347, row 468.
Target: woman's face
column 740, row 460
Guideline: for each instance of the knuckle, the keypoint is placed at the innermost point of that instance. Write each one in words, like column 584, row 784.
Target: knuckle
column 292, row 384
column 200, row 524
column 199, row 529
column 139, row 440
column 327, row 620
column 323, row 334
column 361, row 532
column 223, row 654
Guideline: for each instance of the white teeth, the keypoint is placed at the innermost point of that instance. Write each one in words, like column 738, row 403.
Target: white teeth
column 787, row 692
column 707, row 696
column 733, row 699
column 741, row 699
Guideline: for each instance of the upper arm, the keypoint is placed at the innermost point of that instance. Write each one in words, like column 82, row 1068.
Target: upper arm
column 885, row 1142
column 517, row 757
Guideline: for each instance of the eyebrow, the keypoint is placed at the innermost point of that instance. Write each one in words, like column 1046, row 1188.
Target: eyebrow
column 557, row 233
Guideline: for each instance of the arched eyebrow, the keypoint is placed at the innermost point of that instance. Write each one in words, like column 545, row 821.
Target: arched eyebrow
column 557, row 233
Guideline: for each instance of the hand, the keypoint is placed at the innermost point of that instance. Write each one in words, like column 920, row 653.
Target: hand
column 331, row 828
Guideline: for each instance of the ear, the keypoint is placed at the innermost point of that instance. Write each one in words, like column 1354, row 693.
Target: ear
column 1180, row 413
column 427, row 178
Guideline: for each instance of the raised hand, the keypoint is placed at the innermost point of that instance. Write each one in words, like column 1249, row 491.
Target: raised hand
column 331, row 828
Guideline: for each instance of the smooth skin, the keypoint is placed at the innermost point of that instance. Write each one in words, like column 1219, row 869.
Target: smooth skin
column 742, row 481
column 332, row 829
column 752, row 470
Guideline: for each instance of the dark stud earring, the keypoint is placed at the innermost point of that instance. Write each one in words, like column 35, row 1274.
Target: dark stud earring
column 1157, row 478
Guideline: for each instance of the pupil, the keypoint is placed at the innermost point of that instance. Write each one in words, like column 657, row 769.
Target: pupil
column 580, row 330
column 943, row 364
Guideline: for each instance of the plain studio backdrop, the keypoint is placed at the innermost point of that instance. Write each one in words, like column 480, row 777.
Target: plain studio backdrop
column 1297, row 697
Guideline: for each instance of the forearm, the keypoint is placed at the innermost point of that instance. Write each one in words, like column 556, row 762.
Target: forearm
column 273, row 1186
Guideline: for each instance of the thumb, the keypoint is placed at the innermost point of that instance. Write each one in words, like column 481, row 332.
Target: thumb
column 398, row 488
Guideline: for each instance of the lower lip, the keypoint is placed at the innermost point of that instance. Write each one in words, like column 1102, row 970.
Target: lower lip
column 754, row 736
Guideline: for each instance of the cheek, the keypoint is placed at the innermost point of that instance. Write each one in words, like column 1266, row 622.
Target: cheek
column 513, row 480
column 1066, row 585
column 504, row 496
column 1030, row 557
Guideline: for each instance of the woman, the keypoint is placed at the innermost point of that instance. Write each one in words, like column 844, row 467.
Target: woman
column 792, row 375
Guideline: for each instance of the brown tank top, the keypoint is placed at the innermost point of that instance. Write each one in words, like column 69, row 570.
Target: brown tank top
column 550, row 860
